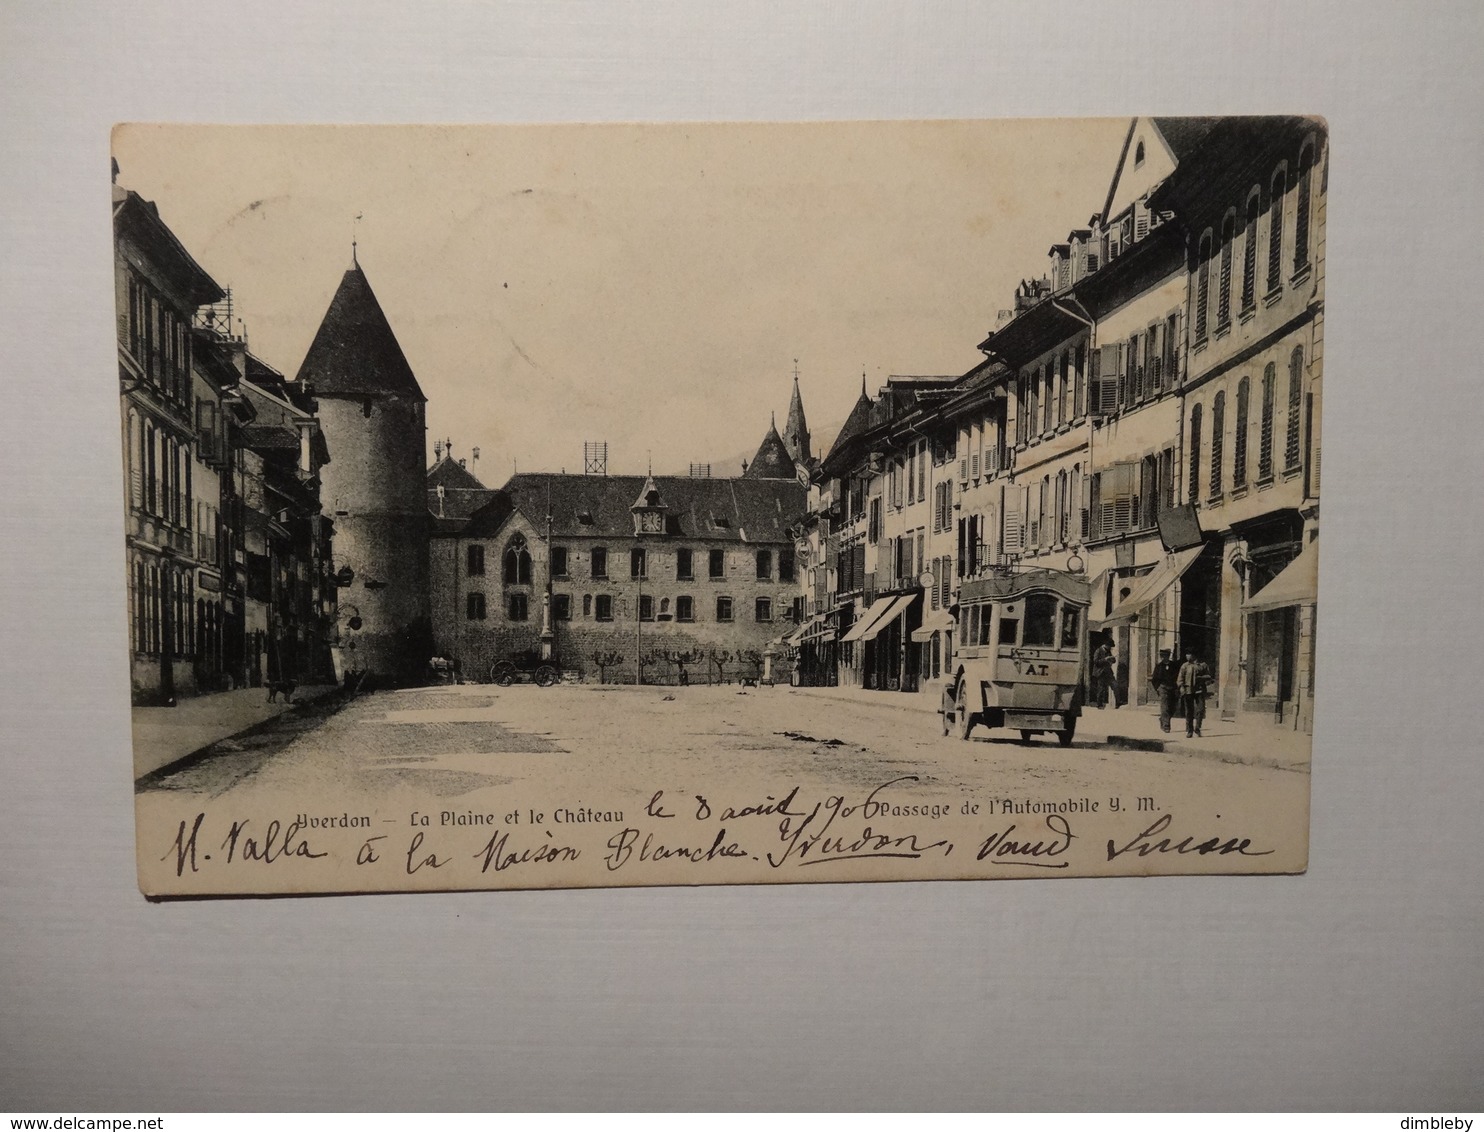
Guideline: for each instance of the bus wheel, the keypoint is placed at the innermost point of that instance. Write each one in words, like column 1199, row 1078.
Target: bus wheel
column 1026, row 736
column 963, row 722
column 1065, row 737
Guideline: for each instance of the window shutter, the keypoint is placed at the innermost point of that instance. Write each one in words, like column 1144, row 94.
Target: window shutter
column 1275, row 232
column 963, row 470
column 136, row 459
column 1295, row 400
column 1122, row 367
column 1012, row 540
column 1110, row 386
column 1172, row 351
column 1141, row 220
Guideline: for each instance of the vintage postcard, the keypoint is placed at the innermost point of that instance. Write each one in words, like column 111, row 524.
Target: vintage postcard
column 573, row 506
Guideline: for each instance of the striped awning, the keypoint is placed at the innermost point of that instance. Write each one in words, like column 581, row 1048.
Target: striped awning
column 874, row 612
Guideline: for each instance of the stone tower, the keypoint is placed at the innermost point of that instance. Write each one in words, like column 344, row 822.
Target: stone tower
column 795, row 430
column 371, row 412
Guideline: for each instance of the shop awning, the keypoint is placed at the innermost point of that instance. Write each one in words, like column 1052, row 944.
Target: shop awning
column 1098, row 590
column 804, row 631
column 939, row 622
column 896, row 609
column 1152, row 584
column 876, row 610
column 1296, row 584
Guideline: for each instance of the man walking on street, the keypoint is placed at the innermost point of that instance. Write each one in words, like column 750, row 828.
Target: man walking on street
column 1103, row 668
column 1163, row 678
column 1194, row 681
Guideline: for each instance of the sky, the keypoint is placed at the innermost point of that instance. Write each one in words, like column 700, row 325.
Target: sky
column 646, row 285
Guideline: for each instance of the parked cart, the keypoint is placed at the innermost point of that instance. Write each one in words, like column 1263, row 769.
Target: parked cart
column 526, row 665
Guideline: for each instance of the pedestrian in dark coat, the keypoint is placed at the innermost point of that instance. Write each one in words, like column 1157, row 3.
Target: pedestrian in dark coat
column 1104, row 668
column 1163, row 678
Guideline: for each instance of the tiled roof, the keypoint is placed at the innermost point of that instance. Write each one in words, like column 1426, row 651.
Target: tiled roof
column 463, row 495
column 270, row 437
column 450, row 474
column 1183, row 135
column 141, row 218
column 735, row 510
column 354, row 352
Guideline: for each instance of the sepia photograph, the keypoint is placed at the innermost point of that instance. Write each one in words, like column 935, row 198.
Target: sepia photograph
column 571, row 506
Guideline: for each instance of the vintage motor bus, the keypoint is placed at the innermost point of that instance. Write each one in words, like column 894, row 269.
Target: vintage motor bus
column 1021, row 654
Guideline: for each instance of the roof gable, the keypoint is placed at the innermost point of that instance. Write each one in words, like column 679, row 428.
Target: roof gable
column 449, row 473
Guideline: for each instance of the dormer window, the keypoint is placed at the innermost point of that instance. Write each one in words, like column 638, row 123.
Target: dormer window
column 649, row 510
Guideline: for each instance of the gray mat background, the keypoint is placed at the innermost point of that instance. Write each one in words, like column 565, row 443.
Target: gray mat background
column 1357, row 986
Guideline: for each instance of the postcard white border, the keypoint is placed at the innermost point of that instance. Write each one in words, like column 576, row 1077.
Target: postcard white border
column 1351, row 987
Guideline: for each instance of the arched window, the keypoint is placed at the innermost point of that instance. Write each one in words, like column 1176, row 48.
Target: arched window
column 1224, row 294
column 1301, row 217
column 1275, row 228
column 1218, row 436
column 1249, row 251
column 1194, row 485
column 1139, row 154
column 1203, row 286
column 517, row 562
column 1239, row 444
column 1265, row 423
column 1295, row 399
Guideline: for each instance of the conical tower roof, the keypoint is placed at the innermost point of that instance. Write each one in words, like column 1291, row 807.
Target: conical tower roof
column 795, row 429
column 855, row 424
column 772, row 461
column 354, row 352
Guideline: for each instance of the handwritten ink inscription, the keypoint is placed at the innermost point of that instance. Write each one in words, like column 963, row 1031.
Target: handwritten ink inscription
column 720, row 838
